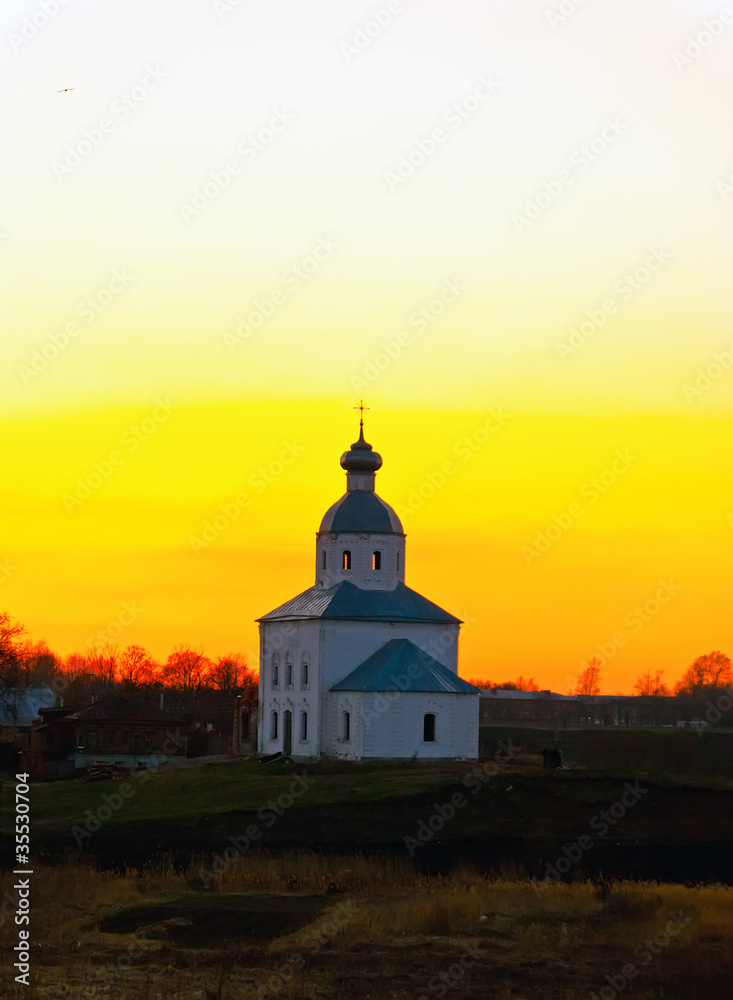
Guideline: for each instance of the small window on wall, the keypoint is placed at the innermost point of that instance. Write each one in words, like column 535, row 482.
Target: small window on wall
column 303, row 727
column 273, row 726
column 304, row 674
column 428, row 728
column 346, row 726
column 376, row 560
column 288, row 675
column 399, row 554
column 346, row 559
column 275, row 671
column 323, row 559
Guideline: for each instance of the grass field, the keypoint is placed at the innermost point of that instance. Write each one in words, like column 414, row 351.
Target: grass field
column 308, row 915
column 305, row 926
column 198, row 808
column 234, row 786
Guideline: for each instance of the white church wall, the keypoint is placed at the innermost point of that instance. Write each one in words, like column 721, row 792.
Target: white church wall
column 331, row 546
column 390, row 725
column 381, row 725
column 346, row 644
column 291, row 646
column 342, row 737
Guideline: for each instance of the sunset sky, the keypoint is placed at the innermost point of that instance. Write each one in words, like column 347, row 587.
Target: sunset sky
column 507, row 229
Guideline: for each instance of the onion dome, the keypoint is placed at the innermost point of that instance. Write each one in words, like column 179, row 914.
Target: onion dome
column 360, row 509
column 361, row 457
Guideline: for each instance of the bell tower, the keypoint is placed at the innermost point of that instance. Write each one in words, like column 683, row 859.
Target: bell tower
column 360, row 539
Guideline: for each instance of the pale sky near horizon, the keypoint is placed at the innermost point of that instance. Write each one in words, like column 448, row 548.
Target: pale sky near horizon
column 565, row 231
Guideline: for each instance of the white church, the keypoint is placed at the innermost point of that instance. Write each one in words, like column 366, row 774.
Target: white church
column 360, row 666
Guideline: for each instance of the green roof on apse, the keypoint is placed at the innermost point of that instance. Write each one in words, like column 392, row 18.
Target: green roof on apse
column 401, row 660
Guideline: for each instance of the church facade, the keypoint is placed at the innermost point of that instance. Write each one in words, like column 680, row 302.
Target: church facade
column 359, row 665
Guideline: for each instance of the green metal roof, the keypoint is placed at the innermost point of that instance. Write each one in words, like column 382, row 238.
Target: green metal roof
column 348, row 601
column 400, row 665
column 361, row 510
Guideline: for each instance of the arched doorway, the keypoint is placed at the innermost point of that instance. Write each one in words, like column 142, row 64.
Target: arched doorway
column 287, row 733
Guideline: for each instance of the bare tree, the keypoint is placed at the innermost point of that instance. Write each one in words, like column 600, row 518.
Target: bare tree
column 184, row 671
column 589, row 680
column 520, row 684
column 231, row 673
column 12, row 651
column 102, row 662
column 527, row 684
column 713, row 670
column 41, row 664
column 76, row 665
column 135, row 667
column 12, row 656
column 81, row 679
column 650, row 684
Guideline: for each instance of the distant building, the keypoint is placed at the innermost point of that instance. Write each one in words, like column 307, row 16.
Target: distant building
column 502, row 705
column 359, row 665
column 116, row 729
column 244, row 725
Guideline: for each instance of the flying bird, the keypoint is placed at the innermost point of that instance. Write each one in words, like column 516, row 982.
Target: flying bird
column 65, row 90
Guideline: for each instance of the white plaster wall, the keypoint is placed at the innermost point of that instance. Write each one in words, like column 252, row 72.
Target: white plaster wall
column 333, row 743
column 361, row 546
column 299, row 640
column 389, row 725
column 346, row 644
column 334, row 649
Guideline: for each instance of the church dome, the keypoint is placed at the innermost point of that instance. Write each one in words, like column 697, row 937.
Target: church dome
column 361, row 457
column 361, row 510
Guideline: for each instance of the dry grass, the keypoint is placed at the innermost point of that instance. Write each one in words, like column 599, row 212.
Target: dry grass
column 384, row 932
column 309, row 871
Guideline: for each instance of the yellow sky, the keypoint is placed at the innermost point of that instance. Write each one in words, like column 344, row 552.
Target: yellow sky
column 246, row 216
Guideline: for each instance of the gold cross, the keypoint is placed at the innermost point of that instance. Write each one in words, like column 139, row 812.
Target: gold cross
column 362, row 408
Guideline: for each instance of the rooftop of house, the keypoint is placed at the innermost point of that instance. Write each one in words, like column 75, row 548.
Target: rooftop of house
column 112, row 708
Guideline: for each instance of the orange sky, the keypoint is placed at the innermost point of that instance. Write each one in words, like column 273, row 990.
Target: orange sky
column 621, row 504
column 510, row 235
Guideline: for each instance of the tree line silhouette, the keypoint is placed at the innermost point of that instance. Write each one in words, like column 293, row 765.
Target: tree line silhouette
column 188, row 671
column 105, row 668
column 709, row 672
